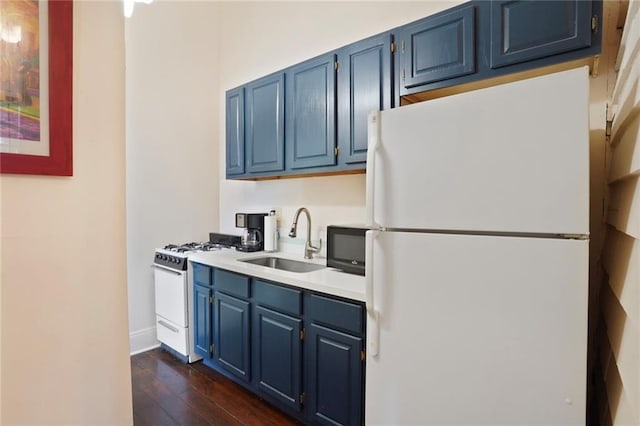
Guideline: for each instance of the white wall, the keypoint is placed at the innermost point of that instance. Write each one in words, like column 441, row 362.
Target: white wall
column 65, row 349
column 172, row 149
column 264, row 37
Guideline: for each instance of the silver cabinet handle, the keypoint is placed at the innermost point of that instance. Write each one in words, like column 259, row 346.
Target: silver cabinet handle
column 167, row 325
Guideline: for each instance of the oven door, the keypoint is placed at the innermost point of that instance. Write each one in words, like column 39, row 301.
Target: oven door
column 171, row 294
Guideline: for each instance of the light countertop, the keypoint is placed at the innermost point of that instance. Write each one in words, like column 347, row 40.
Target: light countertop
column 327, row 280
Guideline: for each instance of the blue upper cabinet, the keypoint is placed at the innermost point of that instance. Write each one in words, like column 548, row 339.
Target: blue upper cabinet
column 437, row 48
column 311, row 113
column 264, row 121
column 235, row 132
column 364, row 85
column 311, row 118
column 527, row 30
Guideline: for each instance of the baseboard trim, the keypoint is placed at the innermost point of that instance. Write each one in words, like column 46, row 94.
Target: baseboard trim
column 143, row 340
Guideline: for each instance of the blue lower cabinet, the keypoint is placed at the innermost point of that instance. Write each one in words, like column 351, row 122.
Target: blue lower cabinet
column 202, row 320
column 277, row 356
column 334, row 386
column 301, row 351
column 232, row 350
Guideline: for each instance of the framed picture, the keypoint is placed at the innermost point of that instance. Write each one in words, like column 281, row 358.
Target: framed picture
column 36, row 81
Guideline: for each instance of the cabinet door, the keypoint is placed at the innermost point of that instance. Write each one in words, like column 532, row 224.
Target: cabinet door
column 231, row 337
column 334, row 377
column 277, row 356
column 235, row 132
column 437, row 48
column 264, row 124
column 202, row 320
column 311, row 113
column 364, row 85
column 526, row 30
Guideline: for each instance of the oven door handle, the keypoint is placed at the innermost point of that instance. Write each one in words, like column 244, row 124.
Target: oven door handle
column 165, row 268
column 167, row 325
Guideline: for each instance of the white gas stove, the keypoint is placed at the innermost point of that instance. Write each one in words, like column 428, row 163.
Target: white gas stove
column 174, row 294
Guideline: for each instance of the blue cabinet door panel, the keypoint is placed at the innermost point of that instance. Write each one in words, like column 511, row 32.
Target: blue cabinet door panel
column 525, row 30
column 334, row 377
column 277, row 356
column 232, row 335
column 202, row 320
column 438, row 48
column 264, row 120
column 364, row 85
column 311, row 98
column 235, row 132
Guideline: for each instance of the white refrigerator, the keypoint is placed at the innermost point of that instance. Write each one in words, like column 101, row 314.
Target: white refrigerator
column 477, row 261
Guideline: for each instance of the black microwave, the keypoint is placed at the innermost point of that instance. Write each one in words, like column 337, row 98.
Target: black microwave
column 346, row 248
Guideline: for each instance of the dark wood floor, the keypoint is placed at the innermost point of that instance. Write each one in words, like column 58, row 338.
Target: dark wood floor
column 168, row 392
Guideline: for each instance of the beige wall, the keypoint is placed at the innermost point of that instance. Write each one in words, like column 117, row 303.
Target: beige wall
column 64, row 302
column 172, row 150
column 619, row 326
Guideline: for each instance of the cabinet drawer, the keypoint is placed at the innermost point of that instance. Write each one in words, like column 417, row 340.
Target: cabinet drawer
column 201, row 274
column 337, row 313
column 282, row 299
column 172, row 335
column 231, row 283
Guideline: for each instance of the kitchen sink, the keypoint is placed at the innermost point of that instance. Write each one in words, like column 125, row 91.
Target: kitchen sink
column 284, row 264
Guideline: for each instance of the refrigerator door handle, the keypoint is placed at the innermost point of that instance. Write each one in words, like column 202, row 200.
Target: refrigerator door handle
column 373, row 329
column 373, row 132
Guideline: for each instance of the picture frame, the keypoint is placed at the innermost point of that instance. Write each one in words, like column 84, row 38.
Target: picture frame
column 59, row 161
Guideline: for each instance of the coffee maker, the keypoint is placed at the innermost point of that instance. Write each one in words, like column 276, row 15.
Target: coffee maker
column 252, row 238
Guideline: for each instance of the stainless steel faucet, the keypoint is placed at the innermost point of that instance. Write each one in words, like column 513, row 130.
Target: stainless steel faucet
column 308, row 248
